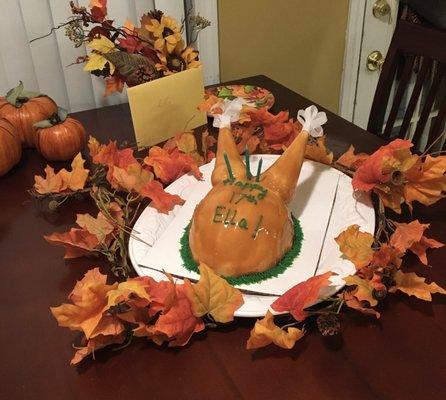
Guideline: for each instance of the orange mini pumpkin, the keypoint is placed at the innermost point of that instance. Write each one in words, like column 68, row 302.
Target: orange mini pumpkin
column 23, row 108
column 10, row 146
column 60, row 138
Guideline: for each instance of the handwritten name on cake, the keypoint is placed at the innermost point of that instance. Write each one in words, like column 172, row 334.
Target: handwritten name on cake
column 228, row 215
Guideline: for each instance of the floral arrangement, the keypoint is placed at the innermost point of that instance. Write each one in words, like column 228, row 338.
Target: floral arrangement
column 130, row 54
column 170, row 312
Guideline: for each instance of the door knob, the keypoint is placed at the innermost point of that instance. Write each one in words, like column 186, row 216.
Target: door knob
column 381, row 8
column 375, row 60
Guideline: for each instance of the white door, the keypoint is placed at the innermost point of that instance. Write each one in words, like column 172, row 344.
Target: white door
column 370, row 28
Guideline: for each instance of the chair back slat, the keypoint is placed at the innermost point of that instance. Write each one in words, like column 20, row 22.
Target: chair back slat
column 430, row 99
column 416, row 59
column 421, row 78
column 402, row 86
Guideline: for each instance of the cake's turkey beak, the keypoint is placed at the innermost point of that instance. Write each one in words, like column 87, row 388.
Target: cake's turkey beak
column 226, row 145
column 282, row 176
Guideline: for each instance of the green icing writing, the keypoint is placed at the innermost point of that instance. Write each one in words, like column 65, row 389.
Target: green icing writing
column 243, row 223
column 218, row 214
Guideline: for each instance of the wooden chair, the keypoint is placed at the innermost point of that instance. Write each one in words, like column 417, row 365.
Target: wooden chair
column 411, row 45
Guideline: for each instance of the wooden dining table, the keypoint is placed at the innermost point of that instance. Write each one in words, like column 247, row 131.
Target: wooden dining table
column 400, row 356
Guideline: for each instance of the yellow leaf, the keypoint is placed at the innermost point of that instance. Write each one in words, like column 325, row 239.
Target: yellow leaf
column 96, row 62
column 364, row 289
column 356, row 246
column 102, row 45
column 414, row 285
column 265, row 332
column 213, row 295
column 317, row 151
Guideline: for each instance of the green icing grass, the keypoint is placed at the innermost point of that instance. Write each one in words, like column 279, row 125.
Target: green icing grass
column 190, row 264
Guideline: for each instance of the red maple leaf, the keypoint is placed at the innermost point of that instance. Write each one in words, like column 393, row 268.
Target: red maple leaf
column 301, row 296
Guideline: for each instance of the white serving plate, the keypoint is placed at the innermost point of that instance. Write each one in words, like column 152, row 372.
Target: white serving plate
column 347, row 210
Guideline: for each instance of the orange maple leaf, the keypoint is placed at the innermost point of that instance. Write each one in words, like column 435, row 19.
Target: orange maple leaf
column 161, row 200
column 56, row 183
column 52, row 183
column 356, row 245
column 110, row 155
column 351, row 160
column 209, row 102
column 113, row 83
column 364, row 289
column 426, row 181
column 370, row 173
column 169, row 166
column 94, row 232
column 179, row 323
column 129, row 179
column 213, row 295
column 87, row 313
column 207, row 141
column 93, row 146
column 265, row 332
column 77, row 177
column 414, row 285
column 386, row 256
column 352, row 302
column 77, row 242
column 411, row 237
column 301, row 296
column 96, row 343
column 317, row 151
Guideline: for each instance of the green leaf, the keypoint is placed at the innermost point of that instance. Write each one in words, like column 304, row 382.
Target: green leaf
column 62, row 113
column 225, row 92
column 13, row 94
column 249, row 88
column 27, row 94
column 127, row 63
column 46, row 123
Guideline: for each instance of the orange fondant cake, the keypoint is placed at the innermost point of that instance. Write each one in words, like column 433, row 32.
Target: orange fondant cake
column 243, row 224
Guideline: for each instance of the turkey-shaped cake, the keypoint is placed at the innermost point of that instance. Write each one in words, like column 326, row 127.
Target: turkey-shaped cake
column 243, row 225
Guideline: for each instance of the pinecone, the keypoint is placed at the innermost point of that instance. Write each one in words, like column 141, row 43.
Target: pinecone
column 328, row 324
column 142, row 74
column 379, row 294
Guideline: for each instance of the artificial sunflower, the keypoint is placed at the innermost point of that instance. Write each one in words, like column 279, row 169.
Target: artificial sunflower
column 179, row 60
column 165, row 32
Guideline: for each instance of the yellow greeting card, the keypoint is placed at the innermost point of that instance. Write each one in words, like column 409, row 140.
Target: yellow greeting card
column 166, row 106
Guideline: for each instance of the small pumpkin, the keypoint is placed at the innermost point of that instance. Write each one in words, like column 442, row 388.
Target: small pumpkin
column 60, row 137
column 10, row 146
column 24, row 108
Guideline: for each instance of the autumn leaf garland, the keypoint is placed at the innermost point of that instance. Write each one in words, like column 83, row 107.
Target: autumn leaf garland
column 166, row 312
column 163, row 312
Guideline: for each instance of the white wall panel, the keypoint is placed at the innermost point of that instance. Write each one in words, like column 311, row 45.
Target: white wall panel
column 78, row 83
column 44, row 53
column 14, row 48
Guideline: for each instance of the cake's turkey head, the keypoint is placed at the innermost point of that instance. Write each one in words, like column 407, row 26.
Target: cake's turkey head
column 243, row 225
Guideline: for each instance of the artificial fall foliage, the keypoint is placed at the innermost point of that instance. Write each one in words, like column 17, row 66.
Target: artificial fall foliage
column 129, row 54
column 162, row 311
column 119, row 181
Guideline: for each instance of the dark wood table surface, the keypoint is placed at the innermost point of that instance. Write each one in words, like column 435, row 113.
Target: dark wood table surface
column 401, row 356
